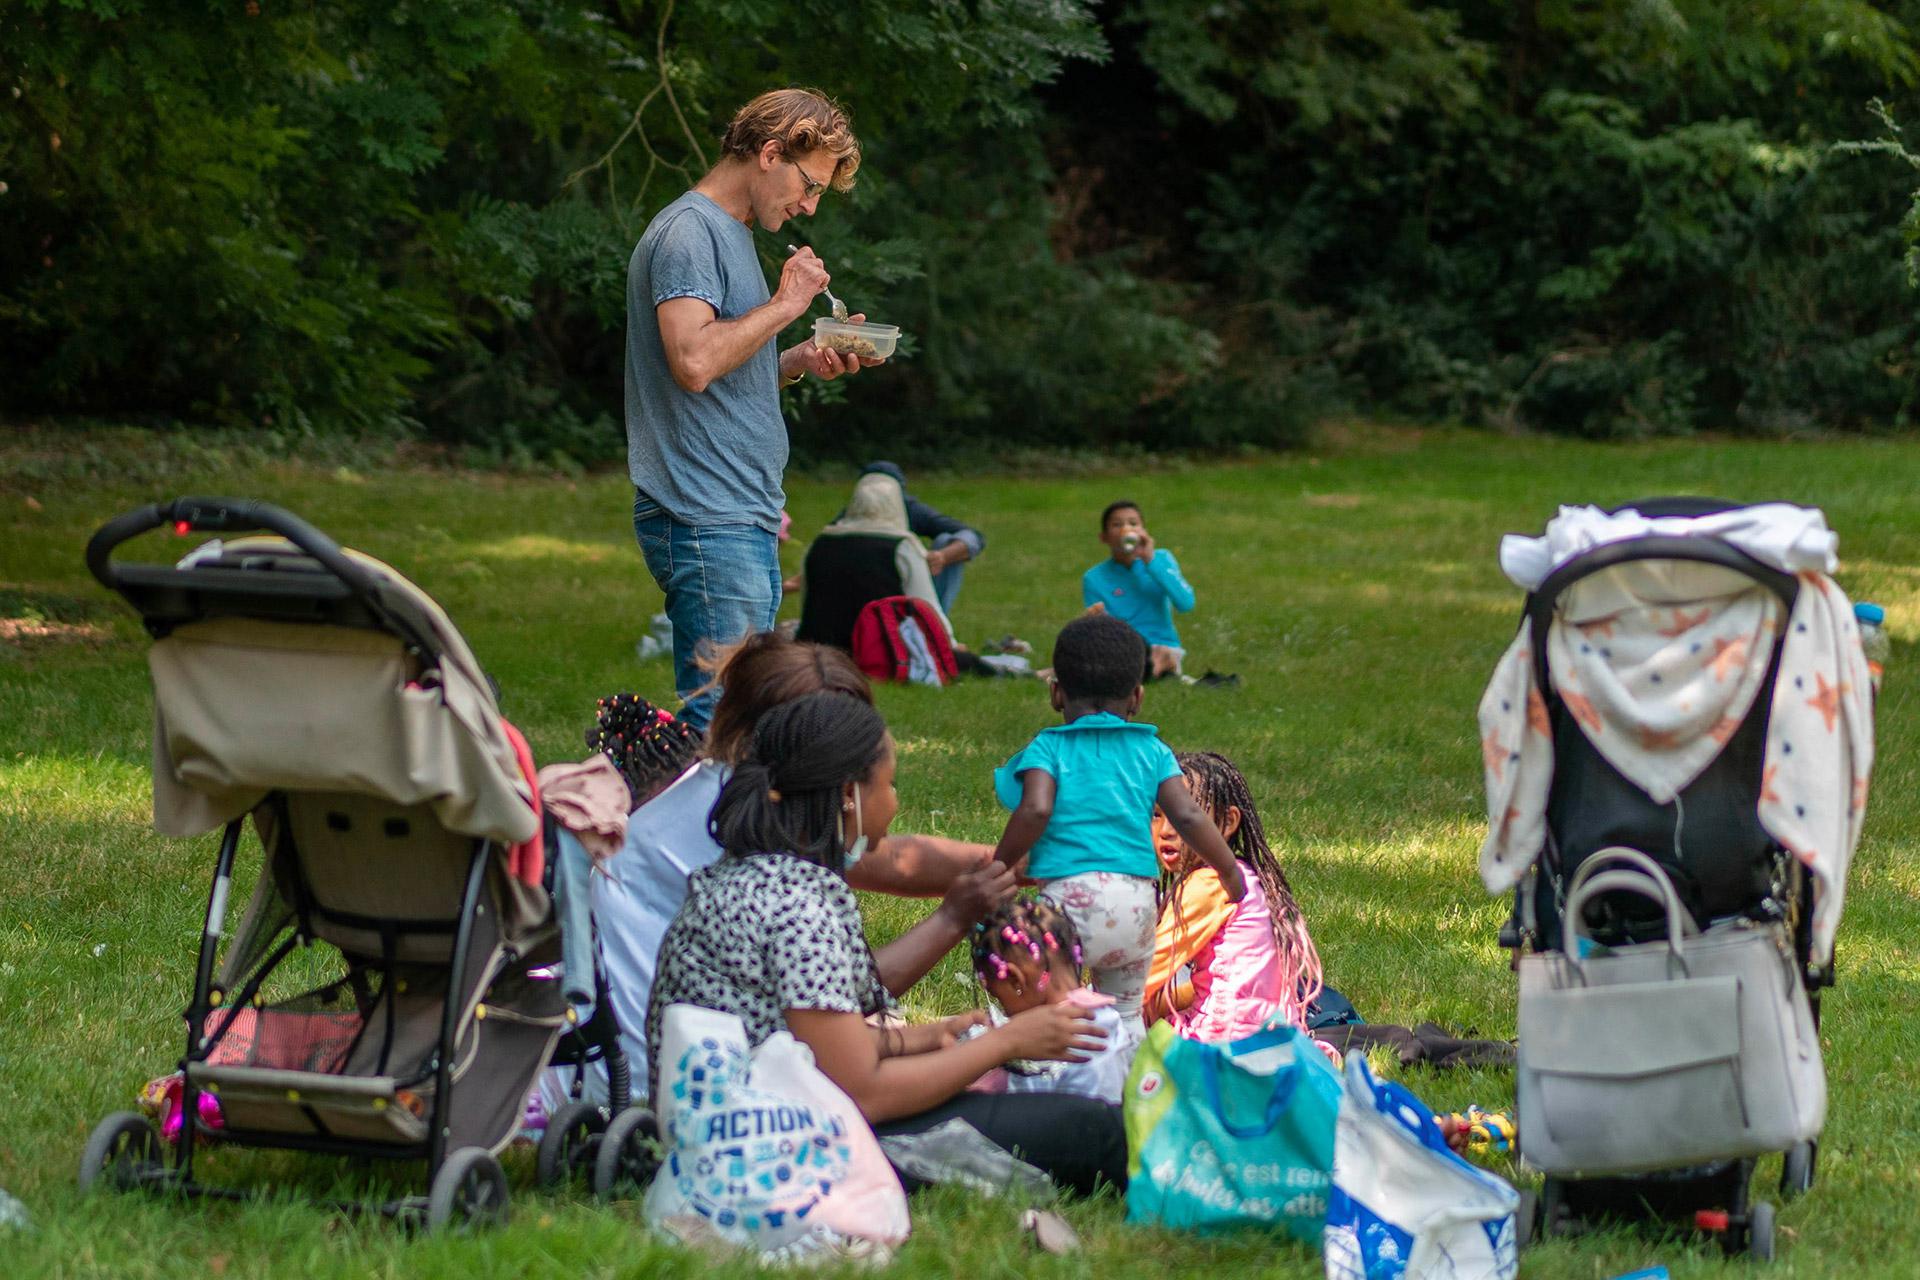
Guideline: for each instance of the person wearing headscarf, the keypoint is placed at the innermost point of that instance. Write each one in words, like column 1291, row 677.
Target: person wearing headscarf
column 953, row 541
column 869, row 553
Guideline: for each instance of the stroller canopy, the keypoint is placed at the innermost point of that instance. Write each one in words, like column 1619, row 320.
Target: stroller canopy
column 1663, row 634
column 246, row 703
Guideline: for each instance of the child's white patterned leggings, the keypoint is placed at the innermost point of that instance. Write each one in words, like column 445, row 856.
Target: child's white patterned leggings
column 1115, row 915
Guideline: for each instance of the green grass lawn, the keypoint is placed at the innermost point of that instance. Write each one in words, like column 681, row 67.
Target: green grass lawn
column 1354, row 588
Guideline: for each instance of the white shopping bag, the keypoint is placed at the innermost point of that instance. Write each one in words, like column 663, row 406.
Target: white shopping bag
column 1403, row 1205
column 763, row 1147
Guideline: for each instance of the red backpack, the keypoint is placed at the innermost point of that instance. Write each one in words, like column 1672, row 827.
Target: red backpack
column 881, row 651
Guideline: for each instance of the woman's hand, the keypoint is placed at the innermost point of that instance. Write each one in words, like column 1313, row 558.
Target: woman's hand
column 970, row 895
column 974, row 893
column 951, row 1029
column 1057, row 1032
column 928, row 1037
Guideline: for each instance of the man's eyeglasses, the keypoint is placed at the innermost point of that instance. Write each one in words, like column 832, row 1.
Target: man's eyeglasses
column 813, row 188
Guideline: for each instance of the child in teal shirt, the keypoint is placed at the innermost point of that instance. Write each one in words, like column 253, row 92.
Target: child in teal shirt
column 1141, row 585
column 1083, row 795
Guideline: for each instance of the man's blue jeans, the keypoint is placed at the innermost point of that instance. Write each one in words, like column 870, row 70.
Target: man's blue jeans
column 722, row 584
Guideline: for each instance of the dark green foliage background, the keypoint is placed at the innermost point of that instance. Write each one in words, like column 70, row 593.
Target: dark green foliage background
column 1154, row 222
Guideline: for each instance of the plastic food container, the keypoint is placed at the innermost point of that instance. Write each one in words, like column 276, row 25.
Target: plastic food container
column 874, row 341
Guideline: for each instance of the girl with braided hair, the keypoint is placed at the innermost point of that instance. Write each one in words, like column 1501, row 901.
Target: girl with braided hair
column 1222, row 969
column 1026, row 954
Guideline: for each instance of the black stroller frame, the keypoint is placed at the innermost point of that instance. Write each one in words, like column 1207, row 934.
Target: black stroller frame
column 1758, row 879
column 207, row 998
column 467, row 1184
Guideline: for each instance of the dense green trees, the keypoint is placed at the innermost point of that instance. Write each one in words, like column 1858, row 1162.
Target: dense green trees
column 1151, row 220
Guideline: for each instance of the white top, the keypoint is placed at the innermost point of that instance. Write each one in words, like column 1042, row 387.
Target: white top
column 641, row 892
column 1102, row 1077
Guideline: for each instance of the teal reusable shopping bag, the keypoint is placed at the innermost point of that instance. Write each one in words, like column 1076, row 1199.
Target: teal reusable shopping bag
column 1225, row 1136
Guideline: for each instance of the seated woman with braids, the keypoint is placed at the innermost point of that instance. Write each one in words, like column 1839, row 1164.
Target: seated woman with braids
column 771, row 933
column 668, row 838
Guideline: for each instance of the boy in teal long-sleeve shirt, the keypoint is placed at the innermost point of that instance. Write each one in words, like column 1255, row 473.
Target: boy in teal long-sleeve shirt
column 1140, row 584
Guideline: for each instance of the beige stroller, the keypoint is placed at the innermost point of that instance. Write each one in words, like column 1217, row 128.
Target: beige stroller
column 319, row 693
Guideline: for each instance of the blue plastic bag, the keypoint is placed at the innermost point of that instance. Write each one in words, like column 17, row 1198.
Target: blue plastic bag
column 1226, row 1136
column 1404, row 1206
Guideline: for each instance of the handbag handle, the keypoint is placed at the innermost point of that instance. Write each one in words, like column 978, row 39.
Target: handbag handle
column 1283, row 1085
column 1612, row 857
column 1651, row 884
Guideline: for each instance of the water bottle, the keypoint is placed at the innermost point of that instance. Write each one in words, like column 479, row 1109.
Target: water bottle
column 1873, row 639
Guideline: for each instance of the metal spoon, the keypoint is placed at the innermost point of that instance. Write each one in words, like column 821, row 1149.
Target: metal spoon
column 839, row 307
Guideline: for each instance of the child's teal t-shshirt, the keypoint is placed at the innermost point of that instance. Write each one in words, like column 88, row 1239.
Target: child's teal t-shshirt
column 1144, row 596
column 1106, row 773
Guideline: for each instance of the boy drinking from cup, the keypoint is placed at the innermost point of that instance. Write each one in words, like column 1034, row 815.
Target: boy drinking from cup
column 1140, row 584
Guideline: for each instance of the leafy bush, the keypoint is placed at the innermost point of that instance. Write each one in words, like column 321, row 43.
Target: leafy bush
column 1224, row 221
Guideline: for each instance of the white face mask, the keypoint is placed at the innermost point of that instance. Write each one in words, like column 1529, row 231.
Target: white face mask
column 858, row 849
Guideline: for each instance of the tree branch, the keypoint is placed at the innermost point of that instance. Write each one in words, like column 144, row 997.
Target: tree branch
column 660, row 56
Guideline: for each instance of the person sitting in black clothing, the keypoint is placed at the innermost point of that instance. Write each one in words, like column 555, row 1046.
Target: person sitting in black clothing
column 955, row 542
column 867, row 554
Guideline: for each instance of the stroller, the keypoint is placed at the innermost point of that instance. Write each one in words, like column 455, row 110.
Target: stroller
column 323, row 695
column 596, row 1133
column 1713, row 847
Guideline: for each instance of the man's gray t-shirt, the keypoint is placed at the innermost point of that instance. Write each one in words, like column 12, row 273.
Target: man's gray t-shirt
column 715, row 457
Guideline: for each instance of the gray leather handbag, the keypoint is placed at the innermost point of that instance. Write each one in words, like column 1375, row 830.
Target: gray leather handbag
column 1658, row 1055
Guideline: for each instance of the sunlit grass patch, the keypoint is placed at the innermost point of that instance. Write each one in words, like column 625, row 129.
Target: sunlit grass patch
column 540, row 547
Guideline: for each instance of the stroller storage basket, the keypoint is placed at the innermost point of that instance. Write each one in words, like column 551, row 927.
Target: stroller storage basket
column 260, row 1100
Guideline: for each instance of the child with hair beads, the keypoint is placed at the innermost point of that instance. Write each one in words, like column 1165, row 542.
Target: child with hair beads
column 1083, row 794
column 1221, row 969
column 638, row 751
column 1026, row 954
column 646, row 743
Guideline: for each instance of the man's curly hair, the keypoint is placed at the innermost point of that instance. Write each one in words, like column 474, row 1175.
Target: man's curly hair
column 800, row 120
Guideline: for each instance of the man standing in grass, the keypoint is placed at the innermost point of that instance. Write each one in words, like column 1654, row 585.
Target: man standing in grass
column 706, row 443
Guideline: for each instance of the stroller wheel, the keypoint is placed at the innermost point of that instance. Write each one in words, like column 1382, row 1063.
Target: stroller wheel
column 469, row 1190
column 1796, row 1174
column 123, row 1147
column 571, row 1142
column 629, row 1154
column 1760, row 1231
